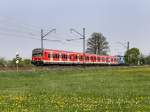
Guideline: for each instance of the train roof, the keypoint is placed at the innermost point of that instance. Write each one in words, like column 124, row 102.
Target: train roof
column 39, row 49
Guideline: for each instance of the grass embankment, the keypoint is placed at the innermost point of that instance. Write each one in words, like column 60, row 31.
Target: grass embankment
column 76, row 90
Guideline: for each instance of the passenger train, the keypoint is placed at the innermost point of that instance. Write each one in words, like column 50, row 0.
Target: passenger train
column 60, row 57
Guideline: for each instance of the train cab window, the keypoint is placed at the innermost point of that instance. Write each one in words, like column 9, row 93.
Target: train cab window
column 37, row 54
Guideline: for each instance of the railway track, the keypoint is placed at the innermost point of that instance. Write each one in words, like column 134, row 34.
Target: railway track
column 56, row 67
column 48, row 68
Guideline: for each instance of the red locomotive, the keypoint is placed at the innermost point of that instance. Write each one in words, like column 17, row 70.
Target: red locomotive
column 59, row 57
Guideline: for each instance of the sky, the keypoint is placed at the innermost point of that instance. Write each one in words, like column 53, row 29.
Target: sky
column 118, row 20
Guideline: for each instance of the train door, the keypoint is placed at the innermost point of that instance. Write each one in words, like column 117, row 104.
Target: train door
column 71, row 57
column 64, row 57
column 55, row 56
column 81, row 58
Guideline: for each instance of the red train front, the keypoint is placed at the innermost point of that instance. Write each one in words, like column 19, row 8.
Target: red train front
column 47, row 57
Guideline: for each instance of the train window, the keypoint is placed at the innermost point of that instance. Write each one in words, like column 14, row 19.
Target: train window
column 55, row 55
column 58, row 55
column 86, row 58
column 103, row 59
column 112, row 59
column 92, row 58
column 81, row 57
column 107, row 59
column 71, row 57
column 37, row 54
column 64, row 56
column 98, row 58
column 115, row 59
column 76, row 57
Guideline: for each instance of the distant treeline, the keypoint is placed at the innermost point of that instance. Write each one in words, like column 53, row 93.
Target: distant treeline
column 12, row 63
column 147, row 60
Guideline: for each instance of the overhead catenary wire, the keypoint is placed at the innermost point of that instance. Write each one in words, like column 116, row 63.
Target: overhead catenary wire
column 17, row 36
column 11, row 27
column 27, row 37
column 12, row 30
column 12, row 22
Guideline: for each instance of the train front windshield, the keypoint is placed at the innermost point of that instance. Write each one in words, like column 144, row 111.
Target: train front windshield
column 37, row 53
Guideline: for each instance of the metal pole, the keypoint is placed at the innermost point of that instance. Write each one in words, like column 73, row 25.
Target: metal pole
column 17, row 61
column 44, row 35
column 41, row 38
column 83, row 37
column 128, row 45
column 17, row 67
column 83, row 46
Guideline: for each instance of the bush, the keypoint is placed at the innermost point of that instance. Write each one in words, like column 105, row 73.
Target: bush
column 12, row 63
column 3, row 62
column 147, row 60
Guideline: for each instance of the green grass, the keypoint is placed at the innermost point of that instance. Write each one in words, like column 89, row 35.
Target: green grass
column 76, row 90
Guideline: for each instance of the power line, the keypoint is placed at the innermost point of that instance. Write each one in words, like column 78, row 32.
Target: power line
column 9, row 24
column 18, row 36
column 7, row 29
column 11, row 21
column 13, row 32
column 25, row 37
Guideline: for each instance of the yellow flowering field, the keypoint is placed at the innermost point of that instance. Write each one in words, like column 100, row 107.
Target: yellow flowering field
column 76, row 90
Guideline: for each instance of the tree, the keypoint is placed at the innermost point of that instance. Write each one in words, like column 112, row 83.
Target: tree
column 142, row 59
column 3, row 62
column 132, row 56
column 147, row 60
column 97, row 44
column 26, row 62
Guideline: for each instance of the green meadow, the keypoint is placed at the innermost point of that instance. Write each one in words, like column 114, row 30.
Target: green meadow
column 99, row 89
